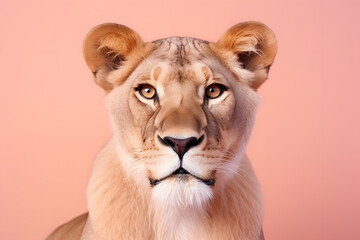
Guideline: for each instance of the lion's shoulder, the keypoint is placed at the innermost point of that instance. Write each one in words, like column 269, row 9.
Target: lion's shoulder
column 70, row 230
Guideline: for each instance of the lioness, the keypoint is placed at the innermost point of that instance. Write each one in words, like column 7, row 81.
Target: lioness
column 182, row 110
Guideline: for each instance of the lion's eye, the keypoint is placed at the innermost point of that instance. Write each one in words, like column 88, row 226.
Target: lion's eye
column 147, row 91
column 214, row 90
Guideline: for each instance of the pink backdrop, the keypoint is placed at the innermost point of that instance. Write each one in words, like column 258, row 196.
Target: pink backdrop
column 305, row 147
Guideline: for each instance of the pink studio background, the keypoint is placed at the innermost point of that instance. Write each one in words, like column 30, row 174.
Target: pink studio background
column 305, row 147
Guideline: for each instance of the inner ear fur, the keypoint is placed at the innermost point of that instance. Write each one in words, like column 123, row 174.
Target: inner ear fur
column 255, row 47
column 105, row 49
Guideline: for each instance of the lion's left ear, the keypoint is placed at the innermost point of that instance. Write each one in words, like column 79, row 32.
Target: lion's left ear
column 254, row 45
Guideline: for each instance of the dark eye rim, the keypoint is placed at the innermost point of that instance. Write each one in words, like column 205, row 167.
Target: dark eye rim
column 141, row 86
column 222, row 90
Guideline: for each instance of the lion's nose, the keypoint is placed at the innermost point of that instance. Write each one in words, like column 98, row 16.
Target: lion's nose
column 181, row 146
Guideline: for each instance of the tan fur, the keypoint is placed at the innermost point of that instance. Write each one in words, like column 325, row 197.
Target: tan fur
column 70, row 230
column 123, row 201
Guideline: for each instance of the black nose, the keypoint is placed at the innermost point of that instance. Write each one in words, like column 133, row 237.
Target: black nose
column 181, row 146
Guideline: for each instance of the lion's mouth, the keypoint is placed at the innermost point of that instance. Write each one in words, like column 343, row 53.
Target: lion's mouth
column 183, row 175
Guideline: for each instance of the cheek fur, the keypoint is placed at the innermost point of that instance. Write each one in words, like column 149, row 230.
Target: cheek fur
column 139, row 111
column 224, row 111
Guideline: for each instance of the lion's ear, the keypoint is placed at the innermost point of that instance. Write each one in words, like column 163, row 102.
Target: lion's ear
column 106, row 47
column 254, row 45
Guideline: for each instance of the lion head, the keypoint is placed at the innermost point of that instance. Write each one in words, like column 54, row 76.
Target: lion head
column 181, row 109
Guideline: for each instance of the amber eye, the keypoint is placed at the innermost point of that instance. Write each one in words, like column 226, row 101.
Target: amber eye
column 214, row 90
column 147, row 91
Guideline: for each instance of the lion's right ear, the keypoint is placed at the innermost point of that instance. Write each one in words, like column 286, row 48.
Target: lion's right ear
column 106, row 48
column 254, row 46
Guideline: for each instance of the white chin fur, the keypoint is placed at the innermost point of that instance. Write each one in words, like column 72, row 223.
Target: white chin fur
column 176, row 193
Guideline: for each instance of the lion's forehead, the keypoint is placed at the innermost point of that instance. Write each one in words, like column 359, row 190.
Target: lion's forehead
column 178, row 59
column 180, row 51
column 181, row 48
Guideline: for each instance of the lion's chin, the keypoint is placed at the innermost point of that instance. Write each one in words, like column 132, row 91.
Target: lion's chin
column 181, row 190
